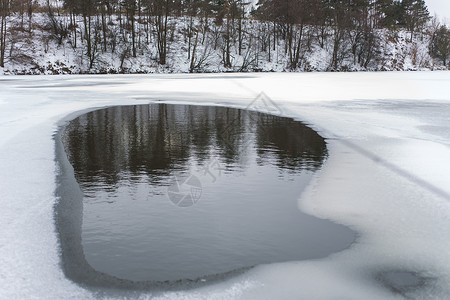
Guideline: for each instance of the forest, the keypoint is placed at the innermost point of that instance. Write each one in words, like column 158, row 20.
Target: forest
column 140, row 36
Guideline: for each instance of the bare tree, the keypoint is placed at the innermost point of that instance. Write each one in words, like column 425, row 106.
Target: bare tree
column 130, row 7
column 59, row 29
column 4, row 13
column 91, row 30
column 340, row 20
column 160, row 10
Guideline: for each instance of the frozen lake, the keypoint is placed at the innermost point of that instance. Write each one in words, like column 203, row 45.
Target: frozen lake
column 181, row 192
column 385, row 177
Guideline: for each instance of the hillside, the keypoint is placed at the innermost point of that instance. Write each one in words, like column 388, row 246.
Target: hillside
column 51, row 44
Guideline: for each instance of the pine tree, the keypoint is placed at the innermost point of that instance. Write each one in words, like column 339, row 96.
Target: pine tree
column 440, row 44
column 415, row 15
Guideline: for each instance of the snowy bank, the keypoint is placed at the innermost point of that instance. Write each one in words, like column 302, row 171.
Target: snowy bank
column 38, row 51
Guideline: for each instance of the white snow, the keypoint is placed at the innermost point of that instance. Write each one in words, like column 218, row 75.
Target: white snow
column 386, row 177
column 38, row 51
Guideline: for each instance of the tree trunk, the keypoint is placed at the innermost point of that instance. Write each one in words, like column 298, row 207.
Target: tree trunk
column 2, row 39
column 192, row 66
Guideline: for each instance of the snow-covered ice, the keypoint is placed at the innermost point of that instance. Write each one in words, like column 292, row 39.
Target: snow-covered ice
column 386, row 178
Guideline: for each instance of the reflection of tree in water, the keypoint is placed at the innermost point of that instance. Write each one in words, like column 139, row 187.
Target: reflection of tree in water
column 157, row 139
column 294, row 145
column 229, row 126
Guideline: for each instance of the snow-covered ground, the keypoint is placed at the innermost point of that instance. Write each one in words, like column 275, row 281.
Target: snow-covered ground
column 39, row 52
column 386, row 178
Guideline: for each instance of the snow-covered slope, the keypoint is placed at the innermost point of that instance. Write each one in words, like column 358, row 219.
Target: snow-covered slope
column 39, row 52
column 386, row 178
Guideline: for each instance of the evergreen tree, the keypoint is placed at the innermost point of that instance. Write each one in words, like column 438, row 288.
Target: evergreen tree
column 414, row 15
column 440, row 44
column 387, row 13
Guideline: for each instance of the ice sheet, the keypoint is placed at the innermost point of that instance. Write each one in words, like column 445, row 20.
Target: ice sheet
column 386, row 178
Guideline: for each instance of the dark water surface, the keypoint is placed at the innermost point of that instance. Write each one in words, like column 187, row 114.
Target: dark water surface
column 181, row 192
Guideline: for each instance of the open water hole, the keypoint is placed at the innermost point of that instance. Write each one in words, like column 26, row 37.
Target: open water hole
column 161, row 193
